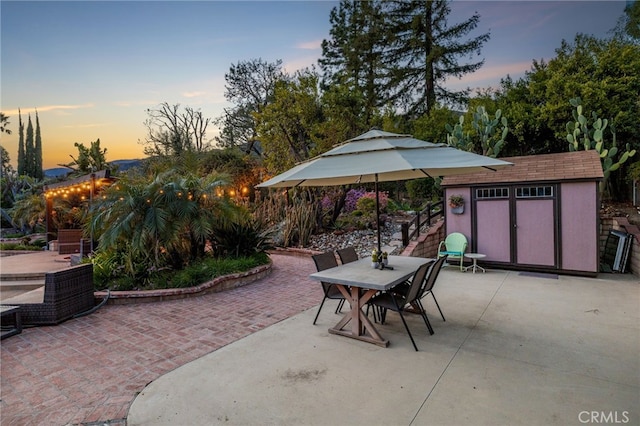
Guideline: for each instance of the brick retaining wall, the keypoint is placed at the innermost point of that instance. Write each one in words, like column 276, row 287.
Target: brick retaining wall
column 222, row 283
column 426, row 245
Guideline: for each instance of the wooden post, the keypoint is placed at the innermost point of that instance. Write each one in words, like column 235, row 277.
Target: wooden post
column 405, row 233
column 49, row 217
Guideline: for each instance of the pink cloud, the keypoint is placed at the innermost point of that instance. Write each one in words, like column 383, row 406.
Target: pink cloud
column 310, row 45
column 193, row 94
column 47, row 108
column 299, row 63
column 496, row 72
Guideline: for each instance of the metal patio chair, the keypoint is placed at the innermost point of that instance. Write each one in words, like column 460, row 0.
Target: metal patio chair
column 454, row 246
column 325, row 261
column 347, row 255
column 396, row 302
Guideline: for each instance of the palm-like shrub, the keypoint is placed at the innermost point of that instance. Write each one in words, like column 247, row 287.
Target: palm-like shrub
column 164, row 222
column 28, row 212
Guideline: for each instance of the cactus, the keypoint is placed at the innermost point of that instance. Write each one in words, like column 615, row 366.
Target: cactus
column 485, row 129
column 580, row 134
column 457, row 138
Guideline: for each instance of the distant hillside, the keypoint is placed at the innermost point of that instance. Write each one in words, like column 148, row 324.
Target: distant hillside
column 126, row 164
column 123, row 165
column 58, row 171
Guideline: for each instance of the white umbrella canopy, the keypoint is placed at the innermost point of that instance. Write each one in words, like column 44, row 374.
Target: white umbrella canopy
column 382, row 156
column 378, row 156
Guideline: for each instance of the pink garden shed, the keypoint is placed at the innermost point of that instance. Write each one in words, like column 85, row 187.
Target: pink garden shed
column 542, row 214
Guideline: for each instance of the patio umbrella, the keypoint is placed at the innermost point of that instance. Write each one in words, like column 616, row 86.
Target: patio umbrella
column 378, row 156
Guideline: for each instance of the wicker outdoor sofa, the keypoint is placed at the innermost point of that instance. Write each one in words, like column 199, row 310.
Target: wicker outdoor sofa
column 67, row 292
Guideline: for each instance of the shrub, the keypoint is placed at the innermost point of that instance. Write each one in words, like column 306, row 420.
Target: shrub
column 383, row 198
column 326, row 203
column 19, row 246
column 121, row 268
column 420, row 190
column 395, row 206
column 199, row 272
column 300, row 223
column 351, row 200
column 366, row 205
column 207, row 270
column 241, row 239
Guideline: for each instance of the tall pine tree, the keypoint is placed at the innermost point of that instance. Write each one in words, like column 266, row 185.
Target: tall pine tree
column 37, row 161
column 21, row 151
column 425, row 50
column 399, row 53
column 352, row 56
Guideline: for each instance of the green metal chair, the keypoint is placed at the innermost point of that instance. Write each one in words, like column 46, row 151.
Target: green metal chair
column 454, row 246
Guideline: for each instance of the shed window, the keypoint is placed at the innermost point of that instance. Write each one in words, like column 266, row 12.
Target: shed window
column 492, row 193
column 534, row 191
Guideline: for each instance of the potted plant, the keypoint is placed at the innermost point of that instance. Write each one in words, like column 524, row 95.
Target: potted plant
column 374, row 258
column 456, row 202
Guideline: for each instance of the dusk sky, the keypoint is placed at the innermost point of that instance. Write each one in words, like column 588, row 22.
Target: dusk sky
column 91, row 69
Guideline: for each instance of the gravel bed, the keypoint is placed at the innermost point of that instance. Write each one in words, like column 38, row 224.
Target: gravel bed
column 364, row 241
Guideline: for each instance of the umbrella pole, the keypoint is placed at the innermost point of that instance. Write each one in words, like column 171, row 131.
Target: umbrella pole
column 378, row 214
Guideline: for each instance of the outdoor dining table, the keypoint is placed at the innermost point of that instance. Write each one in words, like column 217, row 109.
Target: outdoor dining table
column 359, row 282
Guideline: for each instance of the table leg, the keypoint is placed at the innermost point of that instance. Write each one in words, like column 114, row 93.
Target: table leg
column 361, row 327
column 476, row 266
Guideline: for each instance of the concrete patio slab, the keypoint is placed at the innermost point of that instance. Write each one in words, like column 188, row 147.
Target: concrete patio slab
column 513, row 350
column 482, row 389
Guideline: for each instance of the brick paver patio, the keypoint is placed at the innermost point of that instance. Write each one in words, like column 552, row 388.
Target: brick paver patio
column 90, row 369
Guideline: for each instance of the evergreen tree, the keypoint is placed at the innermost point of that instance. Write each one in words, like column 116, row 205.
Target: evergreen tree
column 21, row 153
column 29, row 151
column 37, row 164
column 424, row 50
column 399, row 53
column 628, row 26
column 352, row 57
column 6, row 168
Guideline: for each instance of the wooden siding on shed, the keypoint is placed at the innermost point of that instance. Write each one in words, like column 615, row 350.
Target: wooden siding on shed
column 579, row 231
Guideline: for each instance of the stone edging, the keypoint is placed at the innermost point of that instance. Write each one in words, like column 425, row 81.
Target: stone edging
column 218, row 284
column 294, row 251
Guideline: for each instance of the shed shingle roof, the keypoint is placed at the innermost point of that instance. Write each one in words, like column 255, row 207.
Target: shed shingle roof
column 578, row 165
